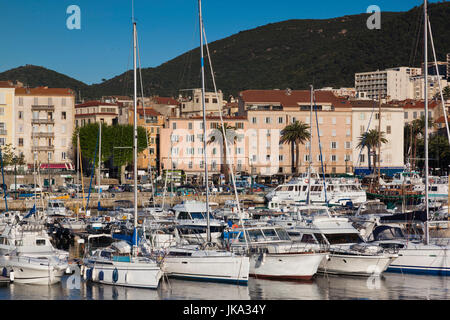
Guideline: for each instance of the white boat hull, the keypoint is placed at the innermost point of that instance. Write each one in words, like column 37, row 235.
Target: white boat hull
column 421, row 259
column 355, row 265
column 129, row 274
column 232, row 269
column 287, row 266
column 27, row 271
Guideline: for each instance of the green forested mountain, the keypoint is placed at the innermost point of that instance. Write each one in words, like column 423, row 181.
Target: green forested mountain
column 35, row 76
column 290, row 54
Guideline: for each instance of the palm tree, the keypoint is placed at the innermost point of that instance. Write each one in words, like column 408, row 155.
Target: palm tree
column 370, row 140
column 418, row 131
column 296, row 133
column 231, row 137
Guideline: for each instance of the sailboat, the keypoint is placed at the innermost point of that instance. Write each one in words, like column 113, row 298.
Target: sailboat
column 205, row 262
column 119, row 264
column 423, row 257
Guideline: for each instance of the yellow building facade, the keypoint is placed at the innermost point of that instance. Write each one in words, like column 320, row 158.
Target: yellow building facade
column 7, row 108
column 153, row 122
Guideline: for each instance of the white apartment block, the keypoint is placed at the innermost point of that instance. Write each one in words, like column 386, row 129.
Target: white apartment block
column 392, row 84
column 418, row 85
column 365, row 116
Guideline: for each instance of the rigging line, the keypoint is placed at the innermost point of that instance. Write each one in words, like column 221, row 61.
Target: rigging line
column 320, row 150
column 223, row 133
column 439, row 81
column 367, row 130
column 93, row 168
column 125, row 76
column 186, row 71
column 145, row 120
column 417, row 33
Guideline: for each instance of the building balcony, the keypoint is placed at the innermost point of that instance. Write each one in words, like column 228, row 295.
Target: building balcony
column 43, row 148
column 43, row 107
column 3, row 132
column 42, row 121
column 42, row 134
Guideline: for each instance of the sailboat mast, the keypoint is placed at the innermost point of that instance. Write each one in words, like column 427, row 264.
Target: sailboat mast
column 99, row 162
column 310, row 148
column 208, row 232
column 135, row 140
column 425, row 92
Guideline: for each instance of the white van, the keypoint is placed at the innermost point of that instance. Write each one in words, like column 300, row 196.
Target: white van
column 18, row 187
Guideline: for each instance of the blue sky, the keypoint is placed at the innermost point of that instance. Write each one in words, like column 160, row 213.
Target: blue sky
column 35, row 32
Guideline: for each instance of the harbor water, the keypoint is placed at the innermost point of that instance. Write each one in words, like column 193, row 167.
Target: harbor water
column 389, row 286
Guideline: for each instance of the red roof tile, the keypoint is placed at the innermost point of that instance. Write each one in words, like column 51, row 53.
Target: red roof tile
column 165, row 100
column 44, row 91
column 94, row 104
column 148, row 112
column 293, row 98
column 6, row 84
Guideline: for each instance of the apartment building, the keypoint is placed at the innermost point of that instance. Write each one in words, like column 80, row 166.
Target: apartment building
column 153, row 122
column 182, row 146
column 96, row 111
column 366, row 116
column 7, row 110
column 43, row 126
column 273, row 110
column 192, row 104
column 392, row 84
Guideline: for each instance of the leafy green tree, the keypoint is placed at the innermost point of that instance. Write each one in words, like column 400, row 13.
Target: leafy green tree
column 295, row 134
column 117, row 143
column 9, row 156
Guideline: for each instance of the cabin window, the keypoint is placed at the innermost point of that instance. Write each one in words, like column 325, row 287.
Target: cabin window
column 255, row 235
column 184, row 215
column 308, row 238
column 40, row 242
column 343, row 238
column 304, row 188
column 197, row 215
column 19, row 243
column 283, row 235
column 291, row 188
column 270, row 233
column 105, row 254
column 320, row 238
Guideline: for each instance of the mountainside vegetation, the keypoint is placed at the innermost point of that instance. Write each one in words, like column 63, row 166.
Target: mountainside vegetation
column 289, row 54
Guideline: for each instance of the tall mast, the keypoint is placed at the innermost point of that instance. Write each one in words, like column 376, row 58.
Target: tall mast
column 99, row 163
column 379, row 138
column 310, row 148
column 208, row 232
column 135, row 141
column 427, row 236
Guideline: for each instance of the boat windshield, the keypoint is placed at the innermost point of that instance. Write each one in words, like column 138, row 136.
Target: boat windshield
column 341, row 238
column 58, row 205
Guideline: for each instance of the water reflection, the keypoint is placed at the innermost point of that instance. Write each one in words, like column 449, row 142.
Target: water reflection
column 197, row 290
column 284, row 290
column 390, row 286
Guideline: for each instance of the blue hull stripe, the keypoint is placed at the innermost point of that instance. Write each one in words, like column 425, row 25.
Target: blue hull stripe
column 419, row 270
column 204, row 279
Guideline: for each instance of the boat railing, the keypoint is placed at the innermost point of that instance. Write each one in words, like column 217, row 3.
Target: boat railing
column 44, row 261
column 444, row 242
